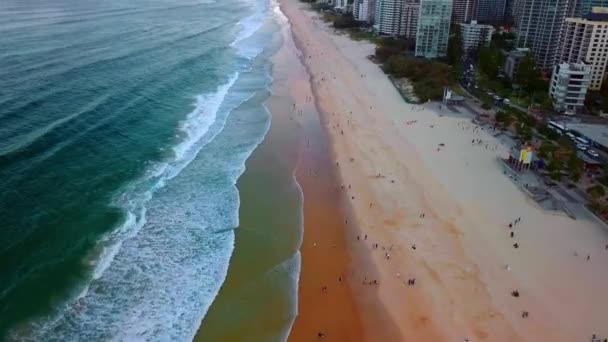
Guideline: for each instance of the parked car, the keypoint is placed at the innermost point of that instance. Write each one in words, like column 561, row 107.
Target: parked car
column 593, row 153
column 571, row 136
column 581, row 147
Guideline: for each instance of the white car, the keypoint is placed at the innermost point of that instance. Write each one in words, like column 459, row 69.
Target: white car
column 581, row 147
column 571, row 136
column 593, row 153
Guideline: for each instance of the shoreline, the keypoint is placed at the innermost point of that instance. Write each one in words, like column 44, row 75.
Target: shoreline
column 341, row 318
column 269, row 227
column 439, row 216
column 332, row 311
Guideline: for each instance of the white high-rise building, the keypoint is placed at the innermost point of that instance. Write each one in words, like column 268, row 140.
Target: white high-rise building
column 539, row 24
column 397, row 17
column 475, row 35
column 411, row 10
column 463, row 11
column 341, row 5
column 586, row 40
column 388, row 18
column 569, row 84
column 363, row 10
column 433, row 28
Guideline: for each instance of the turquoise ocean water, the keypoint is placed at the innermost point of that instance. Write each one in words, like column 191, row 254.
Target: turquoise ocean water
column 117, row 200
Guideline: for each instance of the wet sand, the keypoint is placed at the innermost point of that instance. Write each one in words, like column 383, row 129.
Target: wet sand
column 332, row 299
column 324, row 259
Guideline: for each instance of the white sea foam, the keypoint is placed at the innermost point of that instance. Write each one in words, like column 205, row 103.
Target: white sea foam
column 194, row 127
column 156, row 275
column 248, row 27
column 199, row 120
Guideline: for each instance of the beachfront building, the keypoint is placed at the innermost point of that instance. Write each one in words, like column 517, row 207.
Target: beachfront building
column 580, row 8
column 411, row 9
column 341, row 5
column 512, row 61
column 463, row 11
column 569, row 84
column 475, row 35
column 433, row 28
column 585, row 40
column 491, row 11
column 389, row 17
column 538, row 24
column 363, row 10
column 396, row 17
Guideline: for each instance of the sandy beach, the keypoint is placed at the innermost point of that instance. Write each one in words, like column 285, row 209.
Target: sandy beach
column 438, row 215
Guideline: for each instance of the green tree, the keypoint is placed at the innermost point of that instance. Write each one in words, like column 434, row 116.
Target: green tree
column 554, row 165
column 454, row 53
column 490, row 60
column 596, row 192
column 529, row 76
column 575, row 167
column 504, row 118
column 524, row 132
column 546, row 149
column 547, row 132
column 345, row 21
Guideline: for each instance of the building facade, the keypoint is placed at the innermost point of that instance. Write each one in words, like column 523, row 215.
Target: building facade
column 491, row 11
column 585, row 40
column 463, row 11
column 433, row 28
column 569, row 84
column 475, row 35
column 539, row 24
column 341, row 5
column 585, row 6
column 411, row 10
column 512, row 61
column 389, row 17
column 363, row 10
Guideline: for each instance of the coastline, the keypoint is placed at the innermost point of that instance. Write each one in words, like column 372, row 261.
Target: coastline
column 459, row 251
column 329, row 296
column 269, row 228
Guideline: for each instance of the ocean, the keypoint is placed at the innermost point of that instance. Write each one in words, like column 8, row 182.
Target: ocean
column 124, row 129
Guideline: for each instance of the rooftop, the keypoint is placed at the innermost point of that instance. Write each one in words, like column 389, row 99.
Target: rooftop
column 573, row 66
column 597, row 133
column 597, row 14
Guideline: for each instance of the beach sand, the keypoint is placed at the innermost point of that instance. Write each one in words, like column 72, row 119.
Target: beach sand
column 457, row 252
column 325, row 258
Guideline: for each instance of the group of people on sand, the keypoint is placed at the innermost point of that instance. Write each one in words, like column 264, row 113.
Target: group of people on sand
column 595, row 338
column 515, row 293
